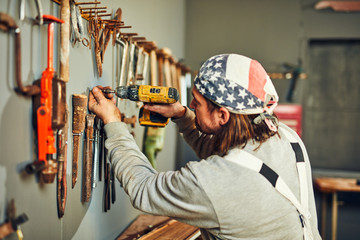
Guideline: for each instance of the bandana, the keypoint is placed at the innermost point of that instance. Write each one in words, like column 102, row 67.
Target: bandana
column 240, row 84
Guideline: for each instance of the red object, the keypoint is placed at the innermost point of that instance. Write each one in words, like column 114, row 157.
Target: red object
column 46, row 139
column 290, row 115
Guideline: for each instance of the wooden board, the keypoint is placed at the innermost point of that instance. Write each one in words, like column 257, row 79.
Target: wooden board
column 149, row 227
column 330, row 185
column 142, row 225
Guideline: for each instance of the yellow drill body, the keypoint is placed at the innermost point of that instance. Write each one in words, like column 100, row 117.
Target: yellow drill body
column 148, row 94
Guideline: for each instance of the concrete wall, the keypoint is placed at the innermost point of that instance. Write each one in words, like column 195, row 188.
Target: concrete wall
column 158, row 20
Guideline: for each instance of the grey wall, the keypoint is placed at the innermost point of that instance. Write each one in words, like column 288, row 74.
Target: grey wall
column 158, row 20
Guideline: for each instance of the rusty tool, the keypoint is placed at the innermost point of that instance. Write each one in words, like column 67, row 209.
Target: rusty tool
column 49, row 114
column 62, row 136
column 77, row 25
column 95, row 32
column 8, row 24
column 131, row 121
column 165, row 53
column 91, row 8
column 87, row 3
column 87, row 161
column 12, row 223
column 140, row 64
column 110, row 31
column 160, row 68
column 79, row 103
column 118, row 17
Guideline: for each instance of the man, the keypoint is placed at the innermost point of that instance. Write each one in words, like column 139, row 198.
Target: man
column 254, row 181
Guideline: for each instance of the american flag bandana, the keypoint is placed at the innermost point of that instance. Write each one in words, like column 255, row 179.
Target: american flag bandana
column 238, row 83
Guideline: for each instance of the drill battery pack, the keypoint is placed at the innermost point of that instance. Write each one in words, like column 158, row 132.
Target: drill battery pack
column 151, row 119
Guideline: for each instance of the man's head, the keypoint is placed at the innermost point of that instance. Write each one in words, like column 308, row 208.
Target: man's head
column 234, row 86
column 209, row 117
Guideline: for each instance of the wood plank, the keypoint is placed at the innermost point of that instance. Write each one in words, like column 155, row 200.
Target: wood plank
column 173, row 230
column 330, row 185
column 141, row 225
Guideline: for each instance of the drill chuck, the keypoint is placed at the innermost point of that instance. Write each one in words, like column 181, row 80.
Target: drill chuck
column 130, row 92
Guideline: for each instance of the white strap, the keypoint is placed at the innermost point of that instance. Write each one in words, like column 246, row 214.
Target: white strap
column 251, row 162
column 301, row 168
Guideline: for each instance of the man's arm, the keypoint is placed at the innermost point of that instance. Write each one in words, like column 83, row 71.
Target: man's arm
column 176, row 194
column 201, row 143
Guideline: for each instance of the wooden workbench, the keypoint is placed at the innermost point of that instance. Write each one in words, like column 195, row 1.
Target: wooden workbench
column 149, row 227
column 333, row 186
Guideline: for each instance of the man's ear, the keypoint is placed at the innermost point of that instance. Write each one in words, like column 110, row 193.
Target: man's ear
column 224, row 116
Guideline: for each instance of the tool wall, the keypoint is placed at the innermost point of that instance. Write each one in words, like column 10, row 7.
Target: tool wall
column 158, row 21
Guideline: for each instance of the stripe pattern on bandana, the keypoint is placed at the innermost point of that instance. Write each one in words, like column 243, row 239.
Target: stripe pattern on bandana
column 238, row 83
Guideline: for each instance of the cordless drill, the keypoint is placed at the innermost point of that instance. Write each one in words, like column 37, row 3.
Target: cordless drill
column 148, row 94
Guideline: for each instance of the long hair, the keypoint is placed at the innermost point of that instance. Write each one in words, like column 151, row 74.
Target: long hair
column 239, row 130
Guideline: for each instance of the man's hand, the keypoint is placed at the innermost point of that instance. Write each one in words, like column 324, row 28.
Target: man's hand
column 175, row 110
column 103, row 106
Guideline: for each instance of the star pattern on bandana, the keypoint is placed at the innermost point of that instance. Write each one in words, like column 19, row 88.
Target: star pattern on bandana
column 213, row 83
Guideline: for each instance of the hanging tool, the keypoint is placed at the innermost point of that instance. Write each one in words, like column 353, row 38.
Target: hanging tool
column 12, row 223
column 107, row 186
column 94, row 31
column 111, row 31
column 130, row 121
column 131, row 71
column 87, row 161
column 100, row 125
column 49, row 112
column 62, row 136
column 38, row 7
column 122, row 65
column 153, row 136
column 79, row 103
column 77, row 25
column 112, row 182
column 296, row 71
column 96, row 156
column 8, row 24
column 165, row 54
column 148, row 94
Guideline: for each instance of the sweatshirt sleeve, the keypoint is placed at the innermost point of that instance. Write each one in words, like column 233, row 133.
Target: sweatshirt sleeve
column 201, row 143
column 177, row 194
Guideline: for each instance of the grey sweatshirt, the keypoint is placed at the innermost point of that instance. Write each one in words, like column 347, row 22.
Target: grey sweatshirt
column 223, row 199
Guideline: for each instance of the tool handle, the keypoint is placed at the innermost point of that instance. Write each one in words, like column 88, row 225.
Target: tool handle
column 87, row 166
column 160, row 62
column 79, row 103
column 62, row 138
column 64, row 41
column 75, row 159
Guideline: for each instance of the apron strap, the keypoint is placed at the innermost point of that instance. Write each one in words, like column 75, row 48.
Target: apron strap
column 251, row 162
